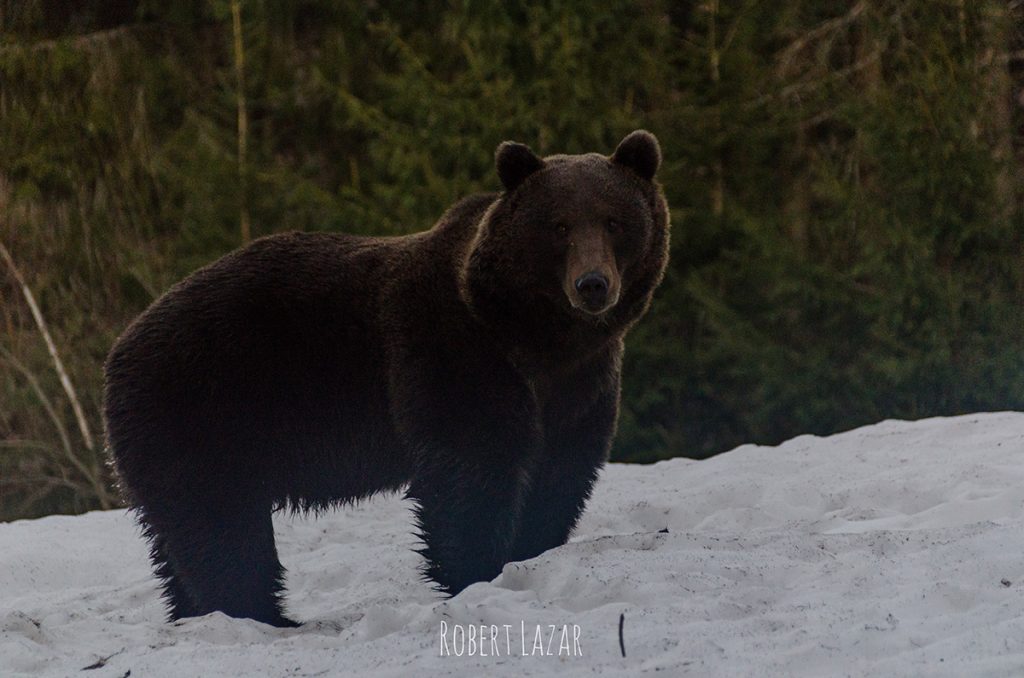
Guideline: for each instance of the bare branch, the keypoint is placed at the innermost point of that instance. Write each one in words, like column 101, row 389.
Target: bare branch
column 1009, row 58
column 48, row 407
column 92, row 476
column 26, row 445
column 807, row 86
column 58, row 364
column 730, row 35
column 84, row 41
column 823, row 29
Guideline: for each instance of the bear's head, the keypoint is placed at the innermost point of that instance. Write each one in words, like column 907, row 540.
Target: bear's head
column 573, row 241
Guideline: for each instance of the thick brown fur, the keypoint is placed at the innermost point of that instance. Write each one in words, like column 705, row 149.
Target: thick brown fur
column 460, row 363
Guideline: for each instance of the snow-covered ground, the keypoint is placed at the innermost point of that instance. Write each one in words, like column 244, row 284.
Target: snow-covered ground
column 892, row 550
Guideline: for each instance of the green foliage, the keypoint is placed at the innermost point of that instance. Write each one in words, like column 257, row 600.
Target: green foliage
column 847, row 224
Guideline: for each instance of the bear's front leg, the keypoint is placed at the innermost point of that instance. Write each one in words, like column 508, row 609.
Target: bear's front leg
column 467, row 512
column 576, row 448
column 475, row 435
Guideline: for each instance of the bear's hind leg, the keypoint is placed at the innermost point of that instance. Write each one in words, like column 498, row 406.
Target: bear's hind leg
column 227, row 562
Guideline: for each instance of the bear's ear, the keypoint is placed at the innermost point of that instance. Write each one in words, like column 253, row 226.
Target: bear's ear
column 515, row 162
column 640, row 152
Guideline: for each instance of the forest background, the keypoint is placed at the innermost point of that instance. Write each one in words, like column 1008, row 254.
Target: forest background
column 844, row 177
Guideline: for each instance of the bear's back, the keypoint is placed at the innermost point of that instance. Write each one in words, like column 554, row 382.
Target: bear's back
column 256, row 345
column 281, row 345
column 292, row 288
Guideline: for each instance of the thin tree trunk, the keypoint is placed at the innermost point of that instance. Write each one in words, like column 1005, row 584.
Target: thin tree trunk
column 798, row 205
column 243, row 122
column 997, row 111
column 961, row 16
column 869, row 40
column 717, row 169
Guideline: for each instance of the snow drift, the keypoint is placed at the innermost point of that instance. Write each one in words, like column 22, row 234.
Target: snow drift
column 894, row 549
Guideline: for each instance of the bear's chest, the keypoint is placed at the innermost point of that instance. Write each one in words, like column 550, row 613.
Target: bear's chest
column 565, row 390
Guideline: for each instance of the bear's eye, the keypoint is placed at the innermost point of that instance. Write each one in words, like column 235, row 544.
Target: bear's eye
column 614, row 227
column 561, row 228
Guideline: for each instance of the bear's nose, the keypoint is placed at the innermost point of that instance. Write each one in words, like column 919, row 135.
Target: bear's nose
column 593, row 290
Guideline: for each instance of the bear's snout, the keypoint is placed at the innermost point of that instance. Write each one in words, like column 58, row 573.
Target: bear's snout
column 591, row 280
column 593, row 290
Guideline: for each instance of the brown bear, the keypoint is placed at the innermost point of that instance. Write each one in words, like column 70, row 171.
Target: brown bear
column 475, row 364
